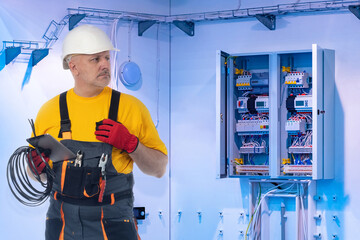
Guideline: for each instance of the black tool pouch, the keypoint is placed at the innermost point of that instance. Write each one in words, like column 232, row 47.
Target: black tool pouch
column 81, row 182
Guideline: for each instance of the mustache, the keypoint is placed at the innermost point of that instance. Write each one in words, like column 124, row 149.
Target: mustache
column 104, row 73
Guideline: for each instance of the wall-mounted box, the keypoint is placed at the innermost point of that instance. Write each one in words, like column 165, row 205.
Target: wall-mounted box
column 283, row 127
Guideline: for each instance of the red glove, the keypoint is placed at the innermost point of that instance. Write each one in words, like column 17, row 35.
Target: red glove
column 38, row 162
column 116, row 134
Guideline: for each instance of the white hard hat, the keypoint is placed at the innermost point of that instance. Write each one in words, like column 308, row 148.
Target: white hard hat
column 85, row 39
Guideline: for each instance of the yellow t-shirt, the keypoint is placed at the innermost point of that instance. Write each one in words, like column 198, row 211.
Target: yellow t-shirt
column 85, row 112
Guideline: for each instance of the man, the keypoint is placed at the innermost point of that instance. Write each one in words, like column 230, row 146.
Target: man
column 92, row 195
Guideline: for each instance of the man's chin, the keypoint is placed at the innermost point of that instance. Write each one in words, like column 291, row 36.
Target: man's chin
column 104, row 80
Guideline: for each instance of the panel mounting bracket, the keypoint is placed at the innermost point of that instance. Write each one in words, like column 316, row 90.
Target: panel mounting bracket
column 12, row 53
column 144, row 25
column 186, row 26
column 355, row 9
column 7, row 55
column 38, row 55
column 75, row 19
column 269, row 20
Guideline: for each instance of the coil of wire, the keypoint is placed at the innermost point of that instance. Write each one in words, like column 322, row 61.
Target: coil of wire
column 26, row 191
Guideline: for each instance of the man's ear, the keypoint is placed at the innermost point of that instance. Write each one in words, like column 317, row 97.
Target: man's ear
column 73, row 68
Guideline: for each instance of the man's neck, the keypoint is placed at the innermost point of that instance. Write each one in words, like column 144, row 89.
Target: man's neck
column 87, row 92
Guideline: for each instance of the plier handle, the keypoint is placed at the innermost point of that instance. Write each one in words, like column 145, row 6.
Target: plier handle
column 78, row 159
column 102, row 163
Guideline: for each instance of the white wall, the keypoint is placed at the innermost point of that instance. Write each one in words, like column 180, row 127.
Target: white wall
column 28, row 20
column 193, row 183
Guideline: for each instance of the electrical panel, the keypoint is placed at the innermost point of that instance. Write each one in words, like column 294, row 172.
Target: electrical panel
column 275, row 114
column 249, row 80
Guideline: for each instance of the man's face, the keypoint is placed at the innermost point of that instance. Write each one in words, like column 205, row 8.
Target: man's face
column 91, row 70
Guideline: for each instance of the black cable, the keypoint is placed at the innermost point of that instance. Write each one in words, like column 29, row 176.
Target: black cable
column 18, row 179
column 31, row 121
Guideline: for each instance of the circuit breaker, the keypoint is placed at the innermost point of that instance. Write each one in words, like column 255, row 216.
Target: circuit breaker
column 275, row 114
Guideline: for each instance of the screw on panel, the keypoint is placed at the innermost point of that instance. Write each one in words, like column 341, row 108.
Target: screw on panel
column 317, row 198
column 317, row 235
column 334, row 198
column 317, row 216
column 221, row 232
column 160, row 214
column 199, row 215
column 179, row 215
column 334, row 217
column 334, row 237
column 246, row 213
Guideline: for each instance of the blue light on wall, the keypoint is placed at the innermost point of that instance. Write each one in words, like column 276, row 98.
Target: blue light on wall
column 130, row 74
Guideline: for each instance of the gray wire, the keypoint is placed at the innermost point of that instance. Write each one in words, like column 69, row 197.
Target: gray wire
column 129, row 39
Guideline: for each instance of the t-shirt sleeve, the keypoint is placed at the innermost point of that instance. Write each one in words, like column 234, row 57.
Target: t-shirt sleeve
column 48, row 119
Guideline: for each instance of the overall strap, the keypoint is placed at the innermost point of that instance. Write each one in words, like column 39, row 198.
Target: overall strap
column 114, row 105
column 65, row 123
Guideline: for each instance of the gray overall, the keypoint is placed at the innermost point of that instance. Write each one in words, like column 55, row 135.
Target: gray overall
column 76, row 211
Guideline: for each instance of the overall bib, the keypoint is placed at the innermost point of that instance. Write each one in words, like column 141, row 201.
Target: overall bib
column 84, row 203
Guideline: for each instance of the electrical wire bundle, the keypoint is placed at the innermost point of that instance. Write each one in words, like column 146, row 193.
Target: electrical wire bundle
column 253, row 226
column 17, row 174
column 303, row 141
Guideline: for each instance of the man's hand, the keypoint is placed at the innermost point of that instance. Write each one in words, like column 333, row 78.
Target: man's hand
column 34, row 157
column 117, row 135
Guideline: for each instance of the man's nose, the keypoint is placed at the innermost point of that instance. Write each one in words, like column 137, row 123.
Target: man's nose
column 104, row 63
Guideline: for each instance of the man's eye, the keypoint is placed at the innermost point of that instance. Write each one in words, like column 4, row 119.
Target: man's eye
column 95, row 59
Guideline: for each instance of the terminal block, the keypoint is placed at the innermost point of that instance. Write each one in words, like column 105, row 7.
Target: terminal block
column 252, row 169
column 253, row 149
column 297, row 169
column 244, row 127
column 300, row 149
column 295, row 125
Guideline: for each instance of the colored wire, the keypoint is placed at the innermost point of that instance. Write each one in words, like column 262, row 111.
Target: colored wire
column 252, row 215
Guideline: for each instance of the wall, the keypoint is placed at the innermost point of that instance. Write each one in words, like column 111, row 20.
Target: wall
column 28, row 20
column 194, row 186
